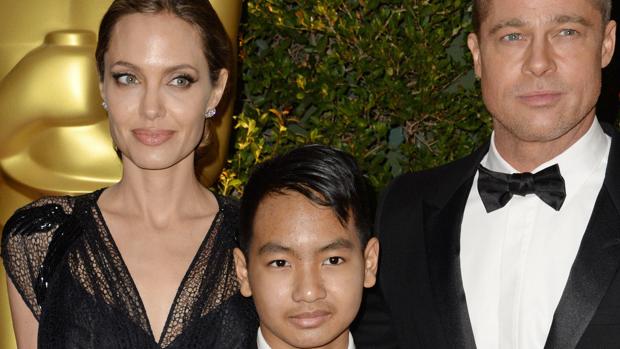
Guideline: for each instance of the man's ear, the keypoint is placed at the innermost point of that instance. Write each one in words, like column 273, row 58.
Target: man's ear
column 371, row 262
column 241, row 268
column 474, row 47
column 609, row 43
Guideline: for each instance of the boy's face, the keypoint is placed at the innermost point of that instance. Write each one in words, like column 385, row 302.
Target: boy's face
column 305, row 271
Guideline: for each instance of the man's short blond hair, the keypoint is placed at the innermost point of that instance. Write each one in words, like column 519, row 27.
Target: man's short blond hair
column 481, row 10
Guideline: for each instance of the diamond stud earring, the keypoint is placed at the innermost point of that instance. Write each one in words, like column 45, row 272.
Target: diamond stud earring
column 210, row 113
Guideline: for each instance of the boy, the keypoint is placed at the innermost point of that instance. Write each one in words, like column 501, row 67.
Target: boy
column 306, row 252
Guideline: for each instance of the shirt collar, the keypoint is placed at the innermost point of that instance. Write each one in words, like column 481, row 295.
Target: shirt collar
column 262, row 343
column 576, row 163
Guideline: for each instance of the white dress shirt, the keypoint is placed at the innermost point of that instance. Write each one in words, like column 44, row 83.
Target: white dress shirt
column 262, row 343
column 515, row 261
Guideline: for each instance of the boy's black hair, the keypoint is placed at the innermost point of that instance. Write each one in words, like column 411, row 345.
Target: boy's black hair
column 326, row 176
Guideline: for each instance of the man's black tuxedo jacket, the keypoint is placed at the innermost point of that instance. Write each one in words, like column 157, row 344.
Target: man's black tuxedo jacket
column 418, row 224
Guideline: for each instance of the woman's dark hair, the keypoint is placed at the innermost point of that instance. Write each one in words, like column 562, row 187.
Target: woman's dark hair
column 326, row 176
column 199, row 13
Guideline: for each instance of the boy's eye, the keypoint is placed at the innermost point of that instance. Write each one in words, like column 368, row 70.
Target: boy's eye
column 279, row 263
column 512, row 37
column 125, row 79
column 333, row 261
column 182, row 81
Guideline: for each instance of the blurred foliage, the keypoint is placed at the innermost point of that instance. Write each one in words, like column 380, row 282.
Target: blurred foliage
column 388, row 81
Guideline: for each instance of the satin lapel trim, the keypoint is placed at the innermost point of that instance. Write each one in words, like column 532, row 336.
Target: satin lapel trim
column 442, row 228
column 594, row 268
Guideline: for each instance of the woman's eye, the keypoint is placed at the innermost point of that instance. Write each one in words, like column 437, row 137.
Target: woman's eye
column 182, row 81
column 333, row 261
column 125, row 79
column 512, row 37
column 279, row 263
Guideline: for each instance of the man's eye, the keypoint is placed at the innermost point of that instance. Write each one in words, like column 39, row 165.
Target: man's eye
column 512, row 37
column 333, row 261
column 182, row 81
column 125, row 79
column 279, row 263
column 568, row 32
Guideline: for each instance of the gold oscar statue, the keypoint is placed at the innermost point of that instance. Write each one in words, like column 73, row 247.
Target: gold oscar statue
column 53, row 132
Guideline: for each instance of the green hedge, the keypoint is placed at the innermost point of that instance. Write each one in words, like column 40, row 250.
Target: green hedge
column 389, row 81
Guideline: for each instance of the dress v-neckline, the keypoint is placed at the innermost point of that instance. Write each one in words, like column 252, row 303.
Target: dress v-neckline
column 134, row 287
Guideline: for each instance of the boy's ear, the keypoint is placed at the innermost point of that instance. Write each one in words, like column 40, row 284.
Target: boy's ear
column 241, row 269
column 371, row 261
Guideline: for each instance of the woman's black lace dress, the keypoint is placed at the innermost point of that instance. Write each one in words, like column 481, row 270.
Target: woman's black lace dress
column 63, row 261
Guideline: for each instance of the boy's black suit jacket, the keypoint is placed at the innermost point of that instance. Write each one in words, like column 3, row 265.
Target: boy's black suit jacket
column 419, row 219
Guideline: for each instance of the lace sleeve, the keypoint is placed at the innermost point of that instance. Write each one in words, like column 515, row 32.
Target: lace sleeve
column 25, row 240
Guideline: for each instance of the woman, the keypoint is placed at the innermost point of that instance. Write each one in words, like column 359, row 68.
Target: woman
column 146, row 263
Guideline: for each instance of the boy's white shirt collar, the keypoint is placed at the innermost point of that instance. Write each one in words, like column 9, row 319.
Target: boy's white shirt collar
column 262, row 343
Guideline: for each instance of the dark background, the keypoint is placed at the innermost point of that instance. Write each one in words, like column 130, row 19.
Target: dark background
column 388, row 81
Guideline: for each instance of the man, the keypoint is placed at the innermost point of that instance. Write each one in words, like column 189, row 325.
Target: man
column 306, row 252
column 473, row 256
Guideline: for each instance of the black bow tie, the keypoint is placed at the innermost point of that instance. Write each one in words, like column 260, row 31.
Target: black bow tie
column 497, row 188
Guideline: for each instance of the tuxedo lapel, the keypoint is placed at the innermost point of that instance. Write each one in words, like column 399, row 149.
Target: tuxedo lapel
column 596, row 263
column 442, row 228
column 595, row 266
column 442, row 209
